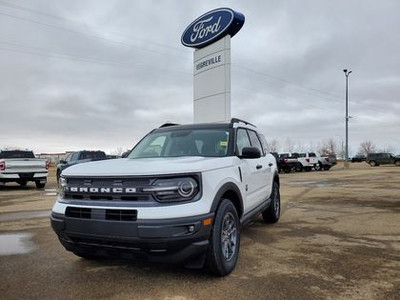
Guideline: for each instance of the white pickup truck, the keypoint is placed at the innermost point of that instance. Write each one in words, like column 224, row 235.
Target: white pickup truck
column 21, row 166
column 309, row 160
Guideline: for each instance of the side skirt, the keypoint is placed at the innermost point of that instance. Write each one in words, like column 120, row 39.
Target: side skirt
column 254, row 212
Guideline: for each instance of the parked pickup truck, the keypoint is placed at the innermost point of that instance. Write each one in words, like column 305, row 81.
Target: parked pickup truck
column 289, row 162
column 325, row 162
column 21, row 166
column 308, row 160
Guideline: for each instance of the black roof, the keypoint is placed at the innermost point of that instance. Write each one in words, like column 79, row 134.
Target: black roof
column 194, row 126
column 172, row 126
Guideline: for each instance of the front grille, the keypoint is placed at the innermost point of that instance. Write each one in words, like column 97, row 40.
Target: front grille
column 78, row 212
column 108, row 189
column 125, row 215
column 121, row 215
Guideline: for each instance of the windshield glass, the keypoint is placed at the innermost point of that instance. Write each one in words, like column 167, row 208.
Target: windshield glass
column 198, row 142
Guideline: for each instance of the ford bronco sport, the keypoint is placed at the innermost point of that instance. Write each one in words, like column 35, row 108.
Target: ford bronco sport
column 181, row 196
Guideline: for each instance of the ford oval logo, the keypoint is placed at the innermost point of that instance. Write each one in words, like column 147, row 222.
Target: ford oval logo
column 211, row 27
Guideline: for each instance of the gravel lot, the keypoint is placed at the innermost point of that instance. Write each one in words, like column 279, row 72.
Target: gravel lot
column 338, row 238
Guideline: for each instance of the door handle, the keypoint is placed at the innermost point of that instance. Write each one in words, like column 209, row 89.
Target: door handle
column 259, row 167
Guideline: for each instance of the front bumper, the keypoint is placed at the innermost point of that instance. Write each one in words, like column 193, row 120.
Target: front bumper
column 173, row 240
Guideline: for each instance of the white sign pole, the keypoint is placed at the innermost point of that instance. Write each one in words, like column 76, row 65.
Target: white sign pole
column 212, row 82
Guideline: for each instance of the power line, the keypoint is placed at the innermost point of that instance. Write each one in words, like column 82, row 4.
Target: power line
column 83, row 34
column 39, row 52
column 45, row 14
column 335, row 97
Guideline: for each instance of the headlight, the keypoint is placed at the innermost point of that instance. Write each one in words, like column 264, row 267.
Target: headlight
column 62, row 187
column 174, row 189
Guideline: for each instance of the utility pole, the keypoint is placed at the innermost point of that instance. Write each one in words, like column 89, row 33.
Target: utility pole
column 346, row 159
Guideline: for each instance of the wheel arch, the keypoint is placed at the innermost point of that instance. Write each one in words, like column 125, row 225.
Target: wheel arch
column 276, row 179
column 232, row 192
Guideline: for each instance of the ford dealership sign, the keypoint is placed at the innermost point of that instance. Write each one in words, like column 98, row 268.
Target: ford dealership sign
column 211, row 27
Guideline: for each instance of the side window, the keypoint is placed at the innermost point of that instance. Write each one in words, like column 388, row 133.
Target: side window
column 264, row 143
column 75, row 156
column 242, row 140
column 255, row 142
column 68, row 158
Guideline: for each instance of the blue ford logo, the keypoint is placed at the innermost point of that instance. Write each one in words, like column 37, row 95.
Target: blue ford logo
column 211, row 27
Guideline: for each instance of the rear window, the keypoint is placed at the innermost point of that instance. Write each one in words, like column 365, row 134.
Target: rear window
column 17, row 154
column 93, row 155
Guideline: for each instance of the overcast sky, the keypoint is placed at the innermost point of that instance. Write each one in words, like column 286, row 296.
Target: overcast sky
column 101, row 74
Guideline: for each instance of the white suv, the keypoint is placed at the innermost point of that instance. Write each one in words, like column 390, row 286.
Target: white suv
column 180, row 196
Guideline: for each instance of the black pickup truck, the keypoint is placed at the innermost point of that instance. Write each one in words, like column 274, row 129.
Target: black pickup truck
column 289, row 162
column 79, row 157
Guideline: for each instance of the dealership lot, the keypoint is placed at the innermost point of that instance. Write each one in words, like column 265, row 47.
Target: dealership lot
column 338, row 237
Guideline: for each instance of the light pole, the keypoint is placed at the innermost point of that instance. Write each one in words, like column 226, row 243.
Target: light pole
column 346, row 162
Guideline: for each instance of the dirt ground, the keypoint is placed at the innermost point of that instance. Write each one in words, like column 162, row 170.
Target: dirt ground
column 338, row 238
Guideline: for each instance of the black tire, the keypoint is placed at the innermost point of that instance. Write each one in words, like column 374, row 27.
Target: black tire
column 326, row 168
column 397, row 163
column 58, row 176
column 298, row 168
column 273, row 212
column 39, row 185
column 373, row 163
column 307, row 169
column 224, row 246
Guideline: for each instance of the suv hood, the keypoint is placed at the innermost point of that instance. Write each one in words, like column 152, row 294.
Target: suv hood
column 149, row 166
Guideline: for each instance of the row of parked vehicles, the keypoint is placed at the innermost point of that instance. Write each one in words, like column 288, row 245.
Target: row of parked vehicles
column 21, row 166
column 307, row 161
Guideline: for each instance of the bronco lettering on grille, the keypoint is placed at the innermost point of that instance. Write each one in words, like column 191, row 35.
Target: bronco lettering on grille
column 95, row 190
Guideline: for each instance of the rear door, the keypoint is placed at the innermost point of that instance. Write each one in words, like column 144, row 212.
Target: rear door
column 254, row 172
column 264, row 167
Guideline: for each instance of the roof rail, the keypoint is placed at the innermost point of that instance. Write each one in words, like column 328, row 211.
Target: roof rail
column 167, row 125
column 236, row 120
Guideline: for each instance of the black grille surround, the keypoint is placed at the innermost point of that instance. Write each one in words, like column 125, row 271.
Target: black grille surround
column 121, row 189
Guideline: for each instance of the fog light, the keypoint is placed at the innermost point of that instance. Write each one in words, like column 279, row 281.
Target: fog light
column 191, row 228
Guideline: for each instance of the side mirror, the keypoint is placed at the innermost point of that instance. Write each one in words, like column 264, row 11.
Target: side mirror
column 62, row 161
column 250, row 152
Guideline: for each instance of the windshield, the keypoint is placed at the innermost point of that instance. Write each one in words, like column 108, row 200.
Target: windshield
column 198, row 142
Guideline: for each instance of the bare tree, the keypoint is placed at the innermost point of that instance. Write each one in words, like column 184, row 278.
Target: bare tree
column 117, row 151
column 367, row 147
column 289, row 145
column 327, row 148
column 389, row 149
column 274, row 145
